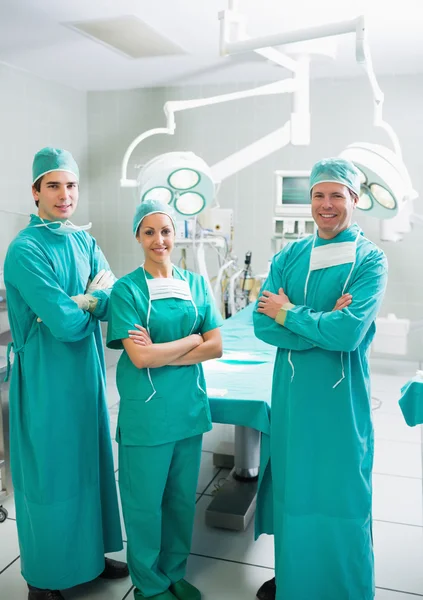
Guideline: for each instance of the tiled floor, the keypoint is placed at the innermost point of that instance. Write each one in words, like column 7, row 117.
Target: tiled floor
column 231, row 566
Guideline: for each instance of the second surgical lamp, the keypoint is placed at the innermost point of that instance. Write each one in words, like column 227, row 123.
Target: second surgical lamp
column 184, row 180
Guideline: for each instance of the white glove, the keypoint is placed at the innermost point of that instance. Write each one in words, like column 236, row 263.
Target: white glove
column 104, row 280
column 85, row 302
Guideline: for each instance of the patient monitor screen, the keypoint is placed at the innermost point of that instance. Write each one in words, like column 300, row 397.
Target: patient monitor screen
column 296, row 190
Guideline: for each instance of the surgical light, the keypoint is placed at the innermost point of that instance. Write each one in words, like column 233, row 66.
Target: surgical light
column 190, row 203
column 385, row 182
column 159, row 193
column 365, row 202
column 184, row 179
column 383, row 196
column 180, row 179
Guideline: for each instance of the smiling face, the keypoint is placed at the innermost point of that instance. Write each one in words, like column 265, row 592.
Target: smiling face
column 58, row 196
column 332, row 207
column 157, row 238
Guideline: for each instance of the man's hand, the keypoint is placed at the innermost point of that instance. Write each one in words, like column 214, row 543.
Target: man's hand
column 140, row 336
column 104, row 280
column 270, row 304
column 342, row 302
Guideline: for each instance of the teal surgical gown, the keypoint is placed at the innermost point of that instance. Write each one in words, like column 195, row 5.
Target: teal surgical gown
column 321, row 436
column 61, row 456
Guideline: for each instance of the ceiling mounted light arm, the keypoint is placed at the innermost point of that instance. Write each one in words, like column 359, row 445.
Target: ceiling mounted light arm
column 233, row 28
column 289, row 37
column 286, row 86
column 234, row 40
column 128, row 183
column 364, row 59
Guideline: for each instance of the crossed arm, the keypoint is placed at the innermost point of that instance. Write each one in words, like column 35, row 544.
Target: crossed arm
column 189, row 350
column 340, row 330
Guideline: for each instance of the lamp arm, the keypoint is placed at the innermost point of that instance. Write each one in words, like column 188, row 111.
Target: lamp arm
column 124, row 182
column 285, row 86
column 364, row 59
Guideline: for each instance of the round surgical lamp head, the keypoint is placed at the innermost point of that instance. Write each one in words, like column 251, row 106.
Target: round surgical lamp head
column 385, row 182
column 180, row 179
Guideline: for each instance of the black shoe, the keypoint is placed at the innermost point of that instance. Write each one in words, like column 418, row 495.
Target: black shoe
column 37, row 594
column 267, row 590
column 114, row 569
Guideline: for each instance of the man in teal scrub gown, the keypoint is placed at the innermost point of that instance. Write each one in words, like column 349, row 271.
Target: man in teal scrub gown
column 58, row 285
column 318, row 306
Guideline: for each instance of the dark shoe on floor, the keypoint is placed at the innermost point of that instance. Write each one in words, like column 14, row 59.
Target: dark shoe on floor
column 267, row 590
column 37, row 594
column 114, row 569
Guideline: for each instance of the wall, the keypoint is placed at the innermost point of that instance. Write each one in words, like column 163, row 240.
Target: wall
column 341, row 114
column 35, row 113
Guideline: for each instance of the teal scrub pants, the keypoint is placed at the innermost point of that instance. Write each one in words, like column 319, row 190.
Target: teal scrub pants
column 158, row 487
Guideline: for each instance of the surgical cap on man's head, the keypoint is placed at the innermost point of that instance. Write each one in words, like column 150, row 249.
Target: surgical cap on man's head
column 336, row 170
column 53, row 159
column 151, row 207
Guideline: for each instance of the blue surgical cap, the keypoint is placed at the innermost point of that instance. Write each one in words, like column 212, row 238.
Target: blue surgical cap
column 336, row 170
column 151, row 207
column 53, row 159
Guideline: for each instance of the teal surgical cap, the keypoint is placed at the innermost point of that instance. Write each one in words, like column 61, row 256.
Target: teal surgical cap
column 53, row 159
column 336, row 170
column 151, row 207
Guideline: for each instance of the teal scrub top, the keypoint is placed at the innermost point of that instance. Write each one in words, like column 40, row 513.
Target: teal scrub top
column 180, row 407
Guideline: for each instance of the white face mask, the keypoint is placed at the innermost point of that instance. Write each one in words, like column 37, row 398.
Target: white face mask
column 332, row 255
column 63, row 228
column 167, row 287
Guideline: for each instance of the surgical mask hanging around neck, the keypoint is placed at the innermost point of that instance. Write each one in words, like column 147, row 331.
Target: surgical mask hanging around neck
column 169, row 287
column 63, row 227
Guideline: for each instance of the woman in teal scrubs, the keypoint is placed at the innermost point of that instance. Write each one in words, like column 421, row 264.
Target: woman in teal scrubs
column 164, row 409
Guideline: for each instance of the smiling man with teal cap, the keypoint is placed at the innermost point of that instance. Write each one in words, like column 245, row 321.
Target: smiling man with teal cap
column 318, row 307
column 58, row 284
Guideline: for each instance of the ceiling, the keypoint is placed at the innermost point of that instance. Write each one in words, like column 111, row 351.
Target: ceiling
column 34, row 37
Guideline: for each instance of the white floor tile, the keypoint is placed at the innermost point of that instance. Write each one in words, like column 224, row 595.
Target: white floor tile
column 231, row 545
column 220, row 580
column 12, row 584
column 391, row 595
column 398, row 458
column 397, row 499
column 207, row 472
column 392, row 427
column 399, row 557
column 388, row 389
column 9, row 545
column 217, row 483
